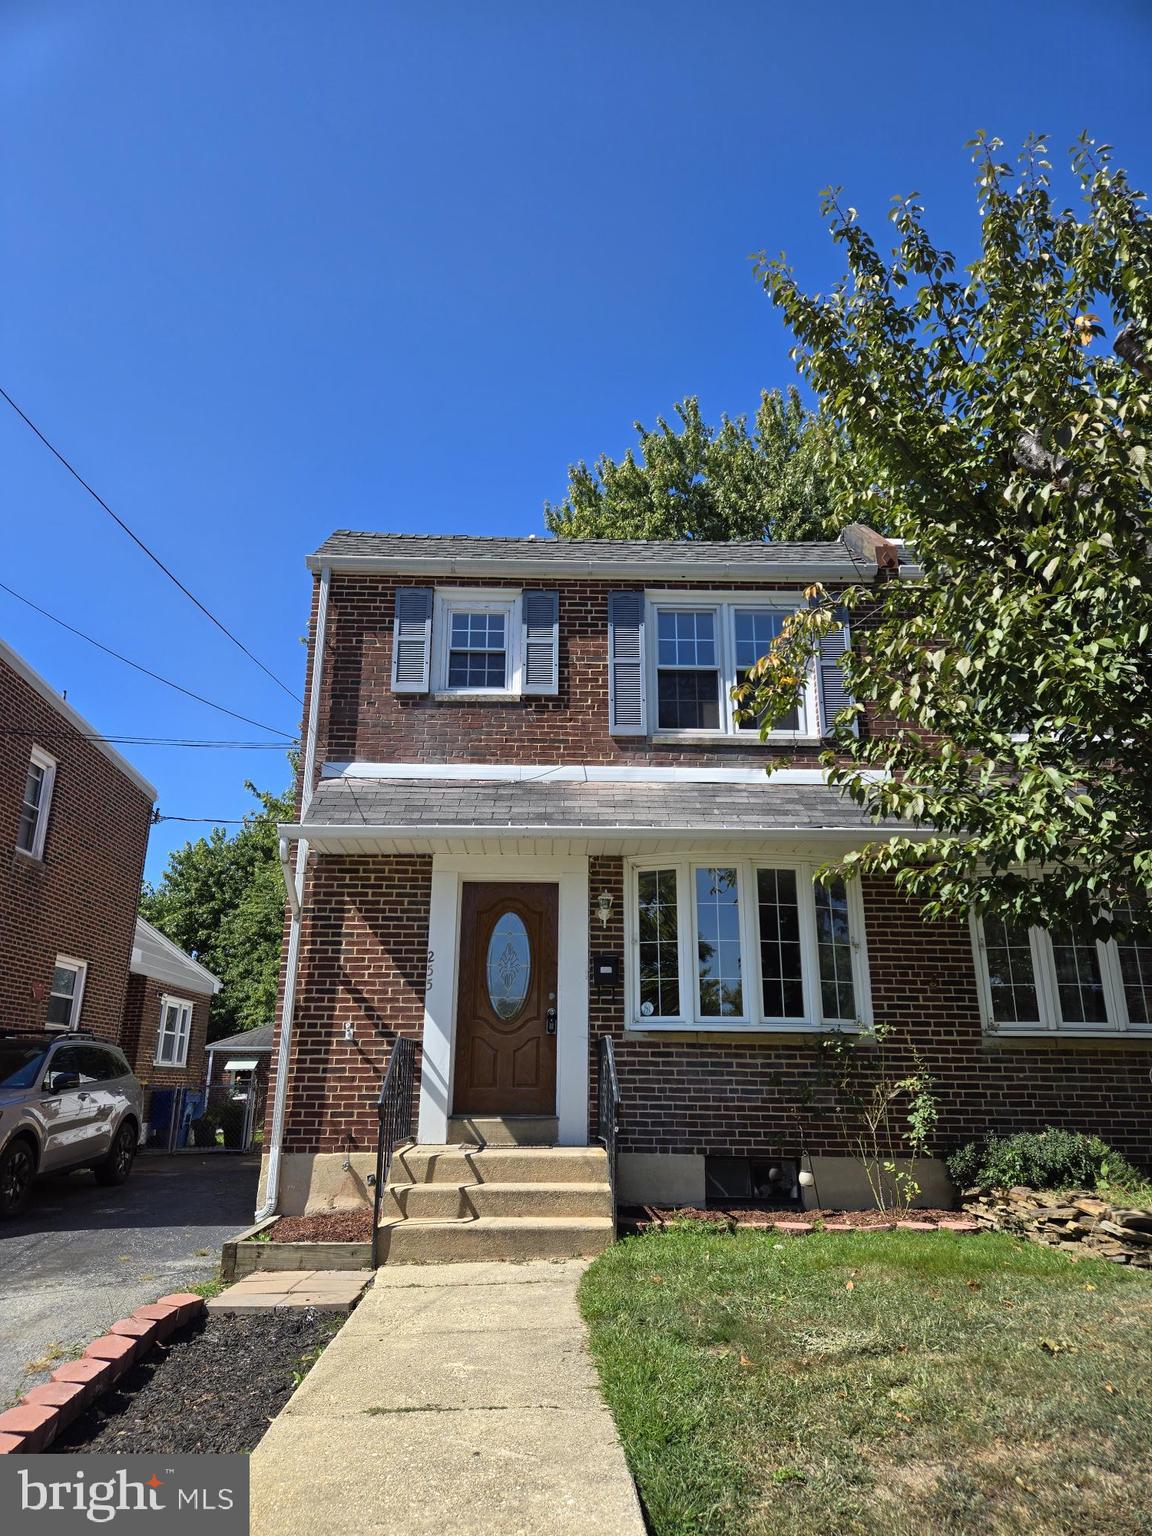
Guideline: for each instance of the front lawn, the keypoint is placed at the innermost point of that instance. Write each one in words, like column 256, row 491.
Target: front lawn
column 891, row 1383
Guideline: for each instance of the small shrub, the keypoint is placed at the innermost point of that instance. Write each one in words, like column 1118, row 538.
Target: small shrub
column 1050, row 1159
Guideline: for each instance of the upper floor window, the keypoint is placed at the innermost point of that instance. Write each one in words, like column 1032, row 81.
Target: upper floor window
column 67, row 995
column 36, row 803
column 476, row 643
column 1033, row 981
column 701, row 648
column 173, row 1034
column 744, row 943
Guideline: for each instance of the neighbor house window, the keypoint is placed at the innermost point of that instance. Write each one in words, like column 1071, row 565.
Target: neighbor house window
column 175, row 1029
column 476, row 641
column 702, row 648
column 67, row 994
column 36, row 803
column 745, row 944
column 1036, row 982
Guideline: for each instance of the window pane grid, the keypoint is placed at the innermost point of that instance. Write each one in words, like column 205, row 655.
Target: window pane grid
column 834, row 947
column 477, row 654
column 781, row 971
column 30, row 808
column 1079, row 985
column 1011, row 976
column 756, row 629
column 659, row 950
column 720, row 988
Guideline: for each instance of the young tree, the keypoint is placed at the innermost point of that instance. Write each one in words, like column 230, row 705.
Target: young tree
column 222, row 899
column 1001, row 423
column 767, row 481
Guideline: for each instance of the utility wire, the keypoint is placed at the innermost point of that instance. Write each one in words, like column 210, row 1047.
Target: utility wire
column 208, row 614
column 128, row 662
column 155, row 741
column 214, row 821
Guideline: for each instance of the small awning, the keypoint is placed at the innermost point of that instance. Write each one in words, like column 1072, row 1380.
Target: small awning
column 241, row 1064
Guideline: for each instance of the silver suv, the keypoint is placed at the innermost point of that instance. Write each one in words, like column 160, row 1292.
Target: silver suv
column 66, row 1101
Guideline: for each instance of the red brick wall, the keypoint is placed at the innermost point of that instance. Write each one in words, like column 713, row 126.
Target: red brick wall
column 142, row 1027
column 362, row 719
column 81, row 899
column 741, row 1098
column 364, row 956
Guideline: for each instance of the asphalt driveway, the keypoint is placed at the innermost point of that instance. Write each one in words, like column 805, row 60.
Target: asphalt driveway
column 82, row 1256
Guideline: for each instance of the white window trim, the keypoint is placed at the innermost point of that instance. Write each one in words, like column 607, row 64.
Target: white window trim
column 47, row 763
column 1051, row 1024
column 725, row 604
column 753, row 1019
column 80, row 967
column 452, row 599
column 184, row 1007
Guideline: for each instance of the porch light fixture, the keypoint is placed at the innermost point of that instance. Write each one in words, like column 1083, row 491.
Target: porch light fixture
column 604, row 908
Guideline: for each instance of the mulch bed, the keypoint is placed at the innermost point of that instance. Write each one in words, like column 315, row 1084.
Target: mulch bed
column 336, row 1227
column 214, row 1387
column 768, row 1216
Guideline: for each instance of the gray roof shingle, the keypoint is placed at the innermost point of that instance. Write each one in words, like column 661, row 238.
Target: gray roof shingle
column 423, row 803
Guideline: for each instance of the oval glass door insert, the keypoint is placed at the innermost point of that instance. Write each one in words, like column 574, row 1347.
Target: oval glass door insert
column 509, row 966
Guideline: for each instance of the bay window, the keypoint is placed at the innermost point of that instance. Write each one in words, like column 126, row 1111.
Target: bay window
column 1035, row 982
column 704, row 646
column 748, row 943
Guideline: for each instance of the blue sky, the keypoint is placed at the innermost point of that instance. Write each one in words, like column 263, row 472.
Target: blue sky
column 276, row 267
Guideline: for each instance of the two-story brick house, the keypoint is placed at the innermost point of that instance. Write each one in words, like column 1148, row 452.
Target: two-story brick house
column 74, row 823
column 529, row 818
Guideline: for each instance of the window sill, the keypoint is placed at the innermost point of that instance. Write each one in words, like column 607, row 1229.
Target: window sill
column 744, row 1031
column 724, row 739
column 460, row 696
column 1142, row 1037
column 36, row 859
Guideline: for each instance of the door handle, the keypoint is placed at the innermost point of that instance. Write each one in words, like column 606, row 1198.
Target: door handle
column 550, row 1021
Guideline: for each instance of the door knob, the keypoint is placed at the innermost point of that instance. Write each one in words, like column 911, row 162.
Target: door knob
column 550, row 1021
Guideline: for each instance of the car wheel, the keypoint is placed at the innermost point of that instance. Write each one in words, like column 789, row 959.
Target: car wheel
column 17, row 1168
column 118, row 1164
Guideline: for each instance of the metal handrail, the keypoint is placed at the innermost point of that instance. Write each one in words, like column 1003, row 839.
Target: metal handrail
column 394, row 1115
column 608, row 1109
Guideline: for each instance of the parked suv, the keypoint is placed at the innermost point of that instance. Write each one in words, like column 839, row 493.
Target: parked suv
column 66, row 1101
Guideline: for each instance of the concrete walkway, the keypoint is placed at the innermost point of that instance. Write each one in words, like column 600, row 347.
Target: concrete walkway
column 458, row 1400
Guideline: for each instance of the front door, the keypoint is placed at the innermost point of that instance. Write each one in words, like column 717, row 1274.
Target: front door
column 506, row 1014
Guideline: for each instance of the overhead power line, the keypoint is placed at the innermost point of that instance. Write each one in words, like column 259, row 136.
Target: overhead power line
column 153, row 741
column 147, row 671
column 214, row 821
column 136, row 539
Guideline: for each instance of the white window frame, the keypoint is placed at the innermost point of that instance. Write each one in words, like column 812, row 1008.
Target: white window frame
column 753, row 1018
column 47, row 764
column 80, row 968
column 464, row 600
column 183, row 1006
column 725, row 605
column 1051, row 1022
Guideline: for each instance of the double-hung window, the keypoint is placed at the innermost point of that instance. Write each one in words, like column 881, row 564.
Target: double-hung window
column 174, row 1031
column 702, row 647
column 476, row 643
column 749, row 943
column 1035, row 982
column 67, row 993
column 36, row 803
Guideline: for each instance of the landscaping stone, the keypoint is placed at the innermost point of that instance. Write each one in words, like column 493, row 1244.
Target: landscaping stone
column 1078, row 1223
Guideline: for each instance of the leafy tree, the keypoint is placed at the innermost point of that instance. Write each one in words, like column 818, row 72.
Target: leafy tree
column 222, row 899
column 999, row 421
column 693, row 481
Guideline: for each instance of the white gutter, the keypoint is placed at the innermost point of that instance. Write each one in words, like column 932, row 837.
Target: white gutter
column 330, row 833
column 294, row 885
column 605, row 569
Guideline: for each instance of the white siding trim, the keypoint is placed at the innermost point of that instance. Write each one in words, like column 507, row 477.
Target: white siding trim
column 579, row 773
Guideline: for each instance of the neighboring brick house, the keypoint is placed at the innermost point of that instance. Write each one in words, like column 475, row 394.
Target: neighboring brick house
column 166, row 1012
column 74, row 821
column 528, row 819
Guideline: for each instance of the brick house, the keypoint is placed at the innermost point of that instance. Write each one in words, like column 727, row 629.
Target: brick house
column 529, row 820
column 74, row 822
column 166, row 1012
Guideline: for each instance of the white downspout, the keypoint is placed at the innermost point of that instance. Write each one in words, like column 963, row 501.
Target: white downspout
column 294, row 885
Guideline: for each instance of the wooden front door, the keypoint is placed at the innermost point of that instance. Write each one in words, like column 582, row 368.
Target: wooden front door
column 506, row 1014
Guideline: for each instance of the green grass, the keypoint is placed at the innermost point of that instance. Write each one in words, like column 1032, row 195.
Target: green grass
column 894, row 1384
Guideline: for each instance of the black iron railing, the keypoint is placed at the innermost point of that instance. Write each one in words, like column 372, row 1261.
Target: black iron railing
column 394, row 1114
column 608, row 1108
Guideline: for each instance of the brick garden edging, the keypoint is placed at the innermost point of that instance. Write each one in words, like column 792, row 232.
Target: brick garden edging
column 44, row 1411
column 796, row 1226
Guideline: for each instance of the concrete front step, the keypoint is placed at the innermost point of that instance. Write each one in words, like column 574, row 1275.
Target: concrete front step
column 447, row 1202
column 494, row 1237
column 505, row 1130
column 499, row 1165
